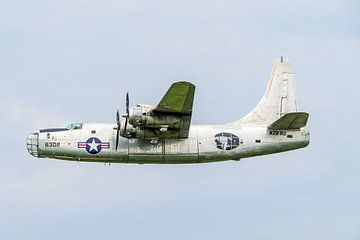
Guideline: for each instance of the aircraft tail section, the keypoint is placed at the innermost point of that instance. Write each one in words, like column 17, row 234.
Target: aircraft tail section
column 279, row 98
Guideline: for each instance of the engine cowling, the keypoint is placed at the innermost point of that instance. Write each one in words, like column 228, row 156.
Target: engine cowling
column 141, row 117
column 137, row 116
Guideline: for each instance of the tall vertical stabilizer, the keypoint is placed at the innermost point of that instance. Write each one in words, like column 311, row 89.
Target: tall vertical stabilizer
column 279, row 97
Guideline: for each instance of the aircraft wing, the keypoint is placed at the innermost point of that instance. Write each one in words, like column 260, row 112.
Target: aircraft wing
column 178, row 103
column 177, row 100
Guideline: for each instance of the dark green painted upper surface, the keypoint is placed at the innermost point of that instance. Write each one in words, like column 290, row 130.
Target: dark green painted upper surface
column 178, row 99
column 290, row 121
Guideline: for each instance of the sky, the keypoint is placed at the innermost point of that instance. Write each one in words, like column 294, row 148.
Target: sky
column 73, row 61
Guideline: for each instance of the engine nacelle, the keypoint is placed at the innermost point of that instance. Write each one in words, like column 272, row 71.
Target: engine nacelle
column 137, row 116
column 147, row 133
column 141, row 117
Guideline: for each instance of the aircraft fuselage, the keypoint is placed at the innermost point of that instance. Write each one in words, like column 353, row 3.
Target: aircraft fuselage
column 206, row 143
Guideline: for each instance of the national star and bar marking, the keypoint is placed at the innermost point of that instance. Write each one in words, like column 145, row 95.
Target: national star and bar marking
column 94, row 145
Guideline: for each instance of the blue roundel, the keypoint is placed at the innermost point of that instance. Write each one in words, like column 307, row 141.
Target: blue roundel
column 93, row 145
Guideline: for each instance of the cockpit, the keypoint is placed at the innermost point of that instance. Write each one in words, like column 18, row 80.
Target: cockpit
column 71, row 126
column 74, row 126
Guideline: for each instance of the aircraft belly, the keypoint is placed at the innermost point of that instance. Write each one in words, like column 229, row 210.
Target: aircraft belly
column 165, row 151
column 181, row 151
column 142, row 151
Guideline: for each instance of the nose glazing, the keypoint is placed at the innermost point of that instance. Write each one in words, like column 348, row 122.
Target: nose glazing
column 32, row 144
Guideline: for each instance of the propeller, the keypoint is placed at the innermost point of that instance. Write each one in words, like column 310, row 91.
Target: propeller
column 118, row 122
column 118, row 128
column 127, row 111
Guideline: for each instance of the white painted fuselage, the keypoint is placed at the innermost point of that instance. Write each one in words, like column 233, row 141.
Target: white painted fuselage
column 201, row 146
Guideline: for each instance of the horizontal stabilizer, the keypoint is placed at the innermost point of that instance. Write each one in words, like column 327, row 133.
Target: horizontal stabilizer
column 290, row 121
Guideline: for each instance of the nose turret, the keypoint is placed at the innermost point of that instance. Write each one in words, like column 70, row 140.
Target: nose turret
column 32, row 144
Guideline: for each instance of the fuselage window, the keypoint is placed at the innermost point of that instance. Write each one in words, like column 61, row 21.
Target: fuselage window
column 93, row 131
column 74, row 126
column 258, row 141
column 77, row 125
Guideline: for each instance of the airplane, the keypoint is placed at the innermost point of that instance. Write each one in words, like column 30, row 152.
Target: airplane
column 164, row 134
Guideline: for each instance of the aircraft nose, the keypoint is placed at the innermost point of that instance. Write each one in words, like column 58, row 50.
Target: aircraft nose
column 32, row 144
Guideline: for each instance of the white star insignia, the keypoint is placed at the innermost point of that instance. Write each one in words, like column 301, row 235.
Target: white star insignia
column 93, row 145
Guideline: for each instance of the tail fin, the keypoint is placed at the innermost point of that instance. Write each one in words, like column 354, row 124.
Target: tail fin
column 279, row 98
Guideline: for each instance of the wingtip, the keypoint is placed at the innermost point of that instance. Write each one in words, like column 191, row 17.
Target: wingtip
column 184, row 82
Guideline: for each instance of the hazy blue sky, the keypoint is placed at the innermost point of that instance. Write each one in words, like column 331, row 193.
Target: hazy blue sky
column 65, row 61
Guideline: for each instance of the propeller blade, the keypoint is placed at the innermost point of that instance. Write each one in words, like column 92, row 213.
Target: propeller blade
column 127, row 103
column 127, row 111
column 118, row 117
column 117, row 139
column 118, row 129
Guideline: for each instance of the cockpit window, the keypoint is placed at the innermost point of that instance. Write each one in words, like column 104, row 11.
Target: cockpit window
column 73, row 126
